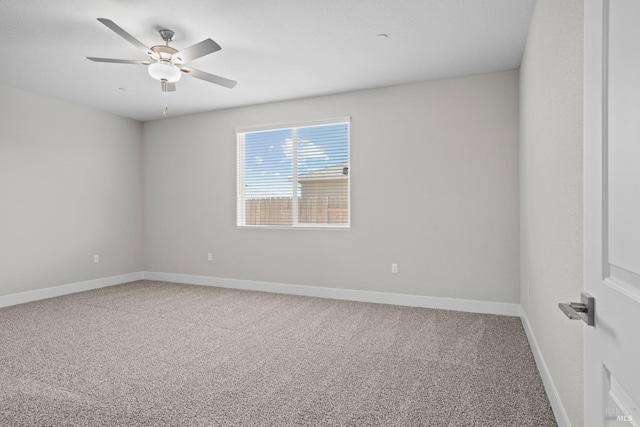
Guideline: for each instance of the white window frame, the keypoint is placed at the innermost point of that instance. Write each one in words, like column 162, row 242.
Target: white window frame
column 240, row 177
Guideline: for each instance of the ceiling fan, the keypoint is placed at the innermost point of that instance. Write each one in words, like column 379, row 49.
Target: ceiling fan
column 165, row 63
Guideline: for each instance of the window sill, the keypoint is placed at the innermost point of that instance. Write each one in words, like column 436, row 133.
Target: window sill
column 297, row 227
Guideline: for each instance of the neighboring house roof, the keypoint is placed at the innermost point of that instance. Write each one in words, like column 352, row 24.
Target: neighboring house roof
column 329, row 173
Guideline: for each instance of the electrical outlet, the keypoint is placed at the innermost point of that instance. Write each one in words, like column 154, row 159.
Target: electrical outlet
column 394, row 268
column 96, row 259
column 209, row 256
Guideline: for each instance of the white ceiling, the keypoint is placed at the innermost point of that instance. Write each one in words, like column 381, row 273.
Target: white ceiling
column 276, row 50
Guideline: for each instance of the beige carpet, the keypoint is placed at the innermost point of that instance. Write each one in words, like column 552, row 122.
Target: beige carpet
column 154, row 353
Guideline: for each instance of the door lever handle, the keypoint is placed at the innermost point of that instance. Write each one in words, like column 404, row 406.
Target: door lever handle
column 572, row 309
column 584, row 310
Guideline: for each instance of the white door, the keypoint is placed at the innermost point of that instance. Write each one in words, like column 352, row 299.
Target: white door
column 612, row 211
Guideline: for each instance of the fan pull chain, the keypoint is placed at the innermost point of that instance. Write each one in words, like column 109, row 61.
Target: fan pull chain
column 166, row 105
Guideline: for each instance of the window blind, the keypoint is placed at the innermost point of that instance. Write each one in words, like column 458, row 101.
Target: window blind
column 294, row 176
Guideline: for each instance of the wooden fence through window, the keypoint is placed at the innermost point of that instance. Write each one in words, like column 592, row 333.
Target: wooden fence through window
column 311, row 210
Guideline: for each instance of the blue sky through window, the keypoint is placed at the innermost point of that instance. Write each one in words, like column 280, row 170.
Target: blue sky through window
column 269, row 156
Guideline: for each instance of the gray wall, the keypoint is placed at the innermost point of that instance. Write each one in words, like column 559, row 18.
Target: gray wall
column 551, row 190
column 434, row 183
column 70, row 187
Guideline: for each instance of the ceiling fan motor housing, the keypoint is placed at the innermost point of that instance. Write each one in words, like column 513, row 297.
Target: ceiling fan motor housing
column 164, row 52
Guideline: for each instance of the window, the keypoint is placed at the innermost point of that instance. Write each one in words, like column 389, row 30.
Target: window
column 294, row 176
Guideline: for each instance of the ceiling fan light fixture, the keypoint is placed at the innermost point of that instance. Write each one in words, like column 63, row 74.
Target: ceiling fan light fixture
column 164, row 71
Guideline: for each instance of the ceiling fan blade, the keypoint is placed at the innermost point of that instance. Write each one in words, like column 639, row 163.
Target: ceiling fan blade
column 128, row 37
column 118, row 61
column 212, row 78
column 205, row 47
column 168, row 87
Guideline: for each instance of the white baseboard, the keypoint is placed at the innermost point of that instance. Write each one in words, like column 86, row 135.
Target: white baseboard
column 56, row 291
column 473, row 306
column 552, row 392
